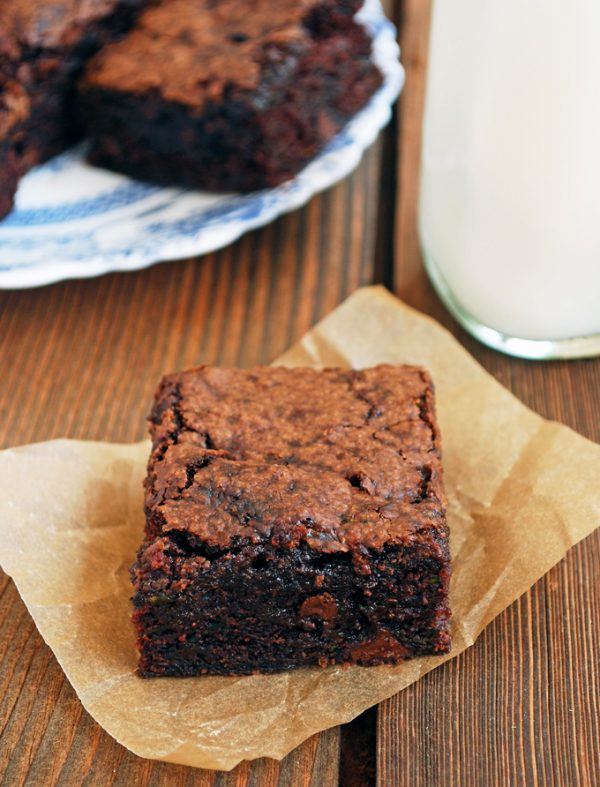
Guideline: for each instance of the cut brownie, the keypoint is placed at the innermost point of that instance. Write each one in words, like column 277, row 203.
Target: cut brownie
column 43, row 46
column 294, row 517
column 224, row 94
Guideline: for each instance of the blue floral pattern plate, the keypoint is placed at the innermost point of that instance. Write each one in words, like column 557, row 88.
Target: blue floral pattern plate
column 72, row 220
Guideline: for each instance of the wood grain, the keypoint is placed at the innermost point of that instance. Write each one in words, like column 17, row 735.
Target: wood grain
column 523, row 705
column 81, row 359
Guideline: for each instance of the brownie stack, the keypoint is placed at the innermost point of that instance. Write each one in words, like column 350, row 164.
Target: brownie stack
column 294, row 517
column 215, row 94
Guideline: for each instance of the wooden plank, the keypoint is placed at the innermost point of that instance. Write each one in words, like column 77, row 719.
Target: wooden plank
column 81, row 359
column 522, row 706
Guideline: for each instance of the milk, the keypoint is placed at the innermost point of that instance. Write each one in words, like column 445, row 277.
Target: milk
column 510, row 185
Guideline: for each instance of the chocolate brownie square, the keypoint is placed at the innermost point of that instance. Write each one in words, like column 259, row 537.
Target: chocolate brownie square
column 294, row 517
column 227, row 95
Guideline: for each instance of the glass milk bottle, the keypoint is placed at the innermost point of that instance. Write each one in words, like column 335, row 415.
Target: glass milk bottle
column 509, row 215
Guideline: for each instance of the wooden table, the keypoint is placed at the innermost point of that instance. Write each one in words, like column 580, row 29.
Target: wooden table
column 81, row 359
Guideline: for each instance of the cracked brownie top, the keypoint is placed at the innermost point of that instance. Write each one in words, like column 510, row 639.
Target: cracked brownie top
column 341, row 460
column 194, row 52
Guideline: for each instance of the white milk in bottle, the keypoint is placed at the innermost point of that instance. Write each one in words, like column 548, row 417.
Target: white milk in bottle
column 510, row 178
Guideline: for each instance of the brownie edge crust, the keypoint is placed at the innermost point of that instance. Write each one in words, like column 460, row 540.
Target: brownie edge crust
column 293, row 517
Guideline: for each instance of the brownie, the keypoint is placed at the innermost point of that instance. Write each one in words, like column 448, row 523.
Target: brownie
column 293, row 517
column 227, row 94
column 43, row 47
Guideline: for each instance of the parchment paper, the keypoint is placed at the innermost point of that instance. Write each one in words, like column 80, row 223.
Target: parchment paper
column 521, row 491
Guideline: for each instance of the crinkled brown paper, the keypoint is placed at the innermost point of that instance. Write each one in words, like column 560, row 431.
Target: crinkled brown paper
column 521, row 491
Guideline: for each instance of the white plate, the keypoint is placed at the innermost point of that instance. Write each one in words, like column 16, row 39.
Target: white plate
column 72, row 220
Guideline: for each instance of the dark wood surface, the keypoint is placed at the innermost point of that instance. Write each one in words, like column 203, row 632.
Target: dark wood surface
column 81, row 359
